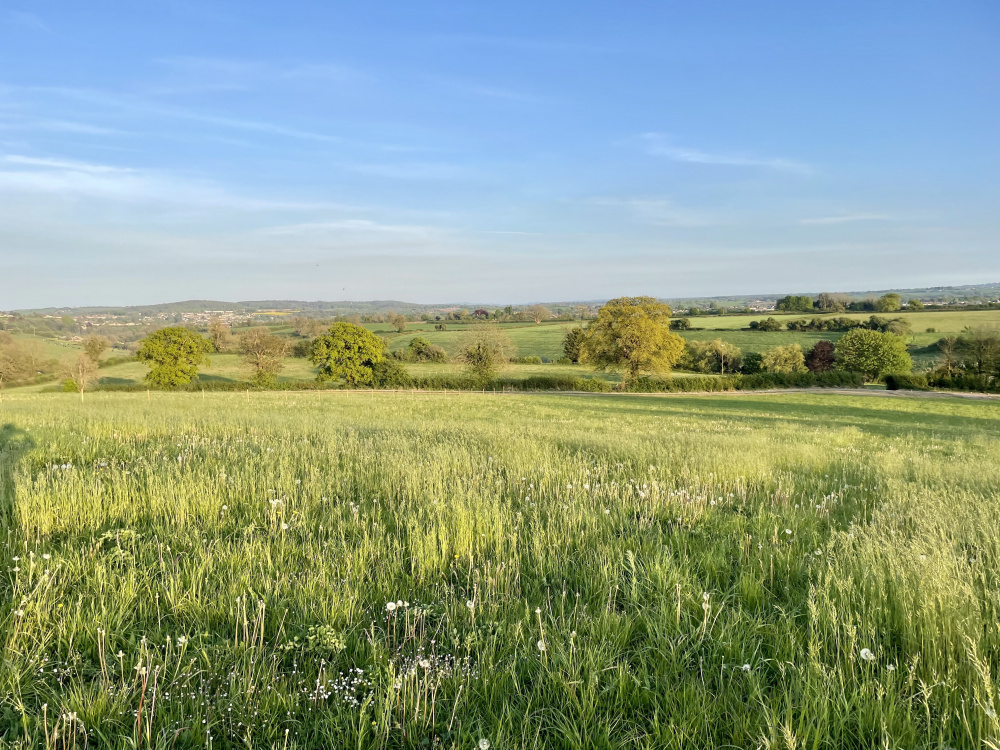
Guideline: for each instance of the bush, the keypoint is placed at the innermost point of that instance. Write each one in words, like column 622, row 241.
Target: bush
column 532, row 360
column 391, row 374
column 964, row 381
column 753, row 362
column 770, row 325
column 422, row 350
column 301, row 348
column 905, row 381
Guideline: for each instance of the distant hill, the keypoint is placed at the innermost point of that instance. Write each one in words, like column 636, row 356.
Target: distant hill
column 970, row 293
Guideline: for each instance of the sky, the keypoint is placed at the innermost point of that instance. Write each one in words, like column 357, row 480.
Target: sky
column 494, row 152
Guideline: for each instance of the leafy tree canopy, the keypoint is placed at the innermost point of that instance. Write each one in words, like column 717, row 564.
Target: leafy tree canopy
column 573, row 343
column 786, row 359
column 349, row 352
column 793, row 303
column 632, row 334
column 174, row 355
column 873, row 353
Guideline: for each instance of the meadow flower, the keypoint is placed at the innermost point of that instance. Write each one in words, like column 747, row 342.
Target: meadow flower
column 867, row 655
column 541, row 645
column 390, row 607
column 788, row 532
column 746, row 667
column 484, row 744
column 891, row 668
column 470, row 604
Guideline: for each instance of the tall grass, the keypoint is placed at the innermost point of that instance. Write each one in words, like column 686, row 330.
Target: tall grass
column 325, row 570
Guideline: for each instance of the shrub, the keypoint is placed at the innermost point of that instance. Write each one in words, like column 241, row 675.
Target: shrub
column 530, row 360
column 391, row 374
column 753, row 362
column 422, row 350
column 769, row 325
column 301, row 348
column 906, row 382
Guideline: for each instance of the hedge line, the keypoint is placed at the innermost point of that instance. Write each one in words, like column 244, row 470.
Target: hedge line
column 761, row 381
column 942, row 382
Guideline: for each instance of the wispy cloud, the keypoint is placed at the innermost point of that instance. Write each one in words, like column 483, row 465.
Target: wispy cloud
column 659, row 211
column 412, row 170
column 365, row 226
column 659, row 144
column 186, row 75
column 75, row 179
column 844, row 219
column 142, row 106
column 24, row 20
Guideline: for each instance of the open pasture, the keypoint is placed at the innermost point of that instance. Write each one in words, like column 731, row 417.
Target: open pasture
column 320, row 570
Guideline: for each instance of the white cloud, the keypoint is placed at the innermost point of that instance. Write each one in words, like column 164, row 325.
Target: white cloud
column 658, row 144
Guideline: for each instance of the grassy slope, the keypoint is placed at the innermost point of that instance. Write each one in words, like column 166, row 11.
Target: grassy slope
column 642, row 541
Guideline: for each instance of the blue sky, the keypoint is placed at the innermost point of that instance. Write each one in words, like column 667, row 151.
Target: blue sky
column 505, row 152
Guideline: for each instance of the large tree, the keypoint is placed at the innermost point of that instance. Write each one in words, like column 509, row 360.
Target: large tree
column 632, row 335
column 821, row 358
column 82, row 371
column 888, row 302
column 220, row 334
column 174, row 355
column 14, row 360
column 872, row 353
column 538, row 313
column 485, row 350
column 714, row 356
column 981, row 347
column 263, row 354
column 349, row 352
column 573, row 343
column 397, row 321
column 94, row 347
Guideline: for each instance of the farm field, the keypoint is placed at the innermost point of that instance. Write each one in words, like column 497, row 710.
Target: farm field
column 320, row 570
column 950, row 321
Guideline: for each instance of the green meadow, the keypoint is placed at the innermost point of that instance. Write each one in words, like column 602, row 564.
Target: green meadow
column 386, row 570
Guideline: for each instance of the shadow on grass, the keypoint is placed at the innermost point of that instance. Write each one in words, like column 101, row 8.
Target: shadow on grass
column 886, row 418
column 14, row 443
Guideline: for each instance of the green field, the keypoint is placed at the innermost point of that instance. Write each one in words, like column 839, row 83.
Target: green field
column 949, row 321
column 751, row 571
